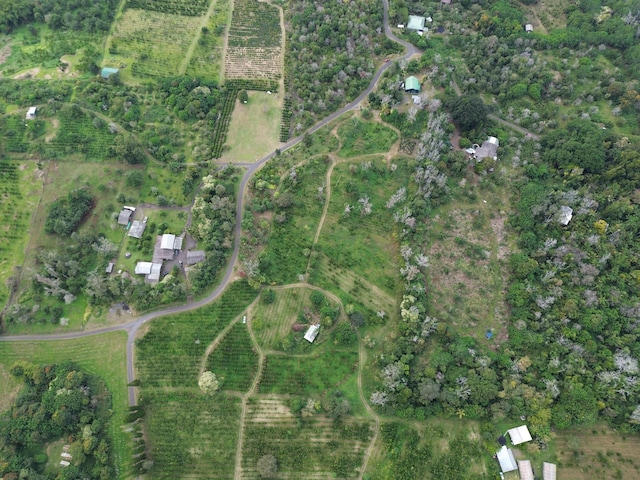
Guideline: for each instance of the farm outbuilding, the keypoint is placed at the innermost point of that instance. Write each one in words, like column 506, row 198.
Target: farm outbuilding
column 124, row 217
column 525, row 470
column 109, row 268
column 416, row 23
column 312, row 333
column 106, row 72
column 31, row 113
column 528, row 28
column 506, row 459
column 519, row 435
column 565, row 215
column 137, row 229
column 412, row 85
column 143, row 268
column 488, row 149
column 548, row 471
column 195, row 256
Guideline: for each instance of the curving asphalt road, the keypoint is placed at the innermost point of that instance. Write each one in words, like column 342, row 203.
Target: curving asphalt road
column 132, row 327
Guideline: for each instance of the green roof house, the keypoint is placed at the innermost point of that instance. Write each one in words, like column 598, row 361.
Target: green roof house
column 412, row 85
column 108, row 71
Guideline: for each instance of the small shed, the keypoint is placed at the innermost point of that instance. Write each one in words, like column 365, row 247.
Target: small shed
column 565, row 215
column 106, row 72
column 548, row 471
column 66, row 455
column 519, row 435
column 137, row 229
column 506, row 459
column 109, row 268
column 525, row 470
column 312, row 333
column 195, row 256
column 416, row 23
column 124, row 217
column 31, row 113
column 64, row 463
column 528, row 28
column 412, row 85
column 143, row 268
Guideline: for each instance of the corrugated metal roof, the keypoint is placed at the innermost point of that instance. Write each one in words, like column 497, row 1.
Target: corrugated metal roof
column 412, row 83
column 106, row 72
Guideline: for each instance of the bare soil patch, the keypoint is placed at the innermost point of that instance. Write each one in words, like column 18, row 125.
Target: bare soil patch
column 5, row 53
column 28, row 74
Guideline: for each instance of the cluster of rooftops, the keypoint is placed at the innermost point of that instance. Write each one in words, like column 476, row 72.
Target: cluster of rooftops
column 508, row 462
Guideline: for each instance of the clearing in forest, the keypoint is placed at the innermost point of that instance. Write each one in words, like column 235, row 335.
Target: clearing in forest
column 254, row 44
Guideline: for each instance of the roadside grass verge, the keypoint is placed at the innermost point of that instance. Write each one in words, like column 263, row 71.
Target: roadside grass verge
column 361, row 138
column 191, row 435
column 170, row 353
column 102, row 355
column 235, row 359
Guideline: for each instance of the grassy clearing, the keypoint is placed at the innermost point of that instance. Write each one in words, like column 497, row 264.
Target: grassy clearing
column 467, row 271
column 191, row 435
column 9, row 387
column 598, row 453
column 361, row 138
column 314, row 375
column 169, row 354
column 150, row 44
column 430, row 449
column 360, row 245
column 21, row 187
column 101, row 355
column 316, row 447
column 235, row 359
column 551, row 13
column 258, row 118
column 81, row 136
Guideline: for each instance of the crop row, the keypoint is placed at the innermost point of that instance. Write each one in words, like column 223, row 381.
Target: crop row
column 222, row 123
column 285, row 121
column 258, row 84
column 190, row 8
column 235, row 359
column 254, row 24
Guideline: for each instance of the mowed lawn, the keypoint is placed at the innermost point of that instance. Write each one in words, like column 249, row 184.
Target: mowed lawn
column 102, row 355
column 254, row 130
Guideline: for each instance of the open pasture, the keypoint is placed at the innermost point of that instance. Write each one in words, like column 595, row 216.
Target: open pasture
column 235, row 359
column 597, row 453
column 254, row 43
column 191, row 435
column 20, row 190
column 316, row 448
column 101, row 355
column 170, row 353
column 207, row 58
column 361, row 138
column 150, row 43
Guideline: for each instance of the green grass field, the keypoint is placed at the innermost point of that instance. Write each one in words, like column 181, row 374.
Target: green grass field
column 207, row 60
column 361, row 138
column 101, row 355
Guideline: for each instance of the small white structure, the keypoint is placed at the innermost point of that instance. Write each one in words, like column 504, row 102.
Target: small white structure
column 400, row 26
column 416, row 99
column 109, row 268
column 31, row 113
column 525, row 470
column 528, row 28
column 143, row 268
column 312, row 333
column 416, row 23
column 548, row 471
column 506, row 460
column 66, row 455
column 171, row 242
column 565, row 215
column 519, row 435
column 64, row 463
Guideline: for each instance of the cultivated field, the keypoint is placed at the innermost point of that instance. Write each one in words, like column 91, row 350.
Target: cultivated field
column 254, row 44
column 207, row 57
column 149, row 43
column 102, row 355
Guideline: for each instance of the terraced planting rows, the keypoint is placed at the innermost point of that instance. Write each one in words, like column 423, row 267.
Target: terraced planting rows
column 235, row 359
column 81, row 134
column 254, row 45
column 192, row 435
column 153, row 44
column 191, row 8
column 170, row 353
column 315, row 447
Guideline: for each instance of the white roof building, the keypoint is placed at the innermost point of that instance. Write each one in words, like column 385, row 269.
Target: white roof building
column 506, row 460
column 519, row 435
column 143, row 268
column 565, row 215
column 64, row 463
column 312, row 333
column 525, row 470
column 154, row 274
column 171, row 242
column 416, row 23
column 548, row 471
column 528, row 28
column 31, row 113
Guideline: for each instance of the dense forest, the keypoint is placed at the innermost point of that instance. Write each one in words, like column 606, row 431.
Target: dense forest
column 57, row 402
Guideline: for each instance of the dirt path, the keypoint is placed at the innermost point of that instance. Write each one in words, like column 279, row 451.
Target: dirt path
column 212, row 346
column 196, row 38
column 243, row 412
column 362, row 358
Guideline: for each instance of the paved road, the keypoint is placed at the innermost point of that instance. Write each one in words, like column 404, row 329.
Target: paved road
column 133, row 326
